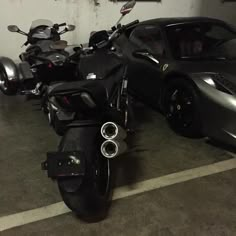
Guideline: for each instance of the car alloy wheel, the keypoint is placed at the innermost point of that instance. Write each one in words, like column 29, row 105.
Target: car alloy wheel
column 181, row 107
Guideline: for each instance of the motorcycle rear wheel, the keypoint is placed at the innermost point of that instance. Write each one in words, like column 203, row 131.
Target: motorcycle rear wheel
column 89, row 196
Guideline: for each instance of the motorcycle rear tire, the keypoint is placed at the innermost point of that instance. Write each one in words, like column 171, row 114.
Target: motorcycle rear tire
column 91, row 199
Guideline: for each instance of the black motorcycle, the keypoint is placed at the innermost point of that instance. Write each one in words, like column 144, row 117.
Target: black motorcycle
column 44, row 61
column 99, row 110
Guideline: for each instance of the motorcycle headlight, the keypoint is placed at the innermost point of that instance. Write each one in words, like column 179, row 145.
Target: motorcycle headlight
column 220, row 83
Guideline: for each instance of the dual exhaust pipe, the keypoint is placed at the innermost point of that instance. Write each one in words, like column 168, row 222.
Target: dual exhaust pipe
column 114, row 144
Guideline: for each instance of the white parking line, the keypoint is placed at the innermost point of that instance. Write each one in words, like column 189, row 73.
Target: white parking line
column 26, row 217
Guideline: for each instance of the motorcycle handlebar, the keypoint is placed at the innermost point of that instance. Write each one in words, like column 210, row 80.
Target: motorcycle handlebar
column 104, row 43
column 131, row 24
column 119, row 29
column 78, row 51
column 57, row 26
column 63, row 24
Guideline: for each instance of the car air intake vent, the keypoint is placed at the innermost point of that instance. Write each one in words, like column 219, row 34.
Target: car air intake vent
column 231, row 87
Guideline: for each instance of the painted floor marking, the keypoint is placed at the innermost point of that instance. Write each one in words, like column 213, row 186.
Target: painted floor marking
column 26, row 217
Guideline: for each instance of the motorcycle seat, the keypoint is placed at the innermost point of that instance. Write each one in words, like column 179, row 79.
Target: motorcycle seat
column 59, row 45
column 99, row 89
column 74, row 90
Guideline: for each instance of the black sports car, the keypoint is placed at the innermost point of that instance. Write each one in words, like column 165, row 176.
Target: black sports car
column 187, row 68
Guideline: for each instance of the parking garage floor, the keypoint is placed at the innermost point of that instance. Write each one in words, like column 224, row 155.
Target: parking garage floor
column 200, row 206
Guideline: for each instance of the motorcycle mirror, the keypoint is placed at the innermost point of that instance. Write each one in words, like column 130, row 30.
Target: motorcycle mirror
column 128, row 7
column 13, row 28
column 70, row 27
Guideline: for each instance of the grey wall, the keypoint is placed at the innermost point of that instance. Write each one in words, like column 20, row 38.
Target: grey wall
column 89, row 17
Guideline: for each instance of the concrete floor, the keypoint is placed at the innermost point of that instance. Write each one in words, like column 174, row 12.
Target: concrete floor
column 204, row 206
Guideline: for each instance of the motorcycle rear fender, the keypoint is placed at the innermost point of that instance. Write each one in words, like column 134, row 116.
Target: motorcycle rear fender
column 88, row 133
column 9, row 68
column 64, row 164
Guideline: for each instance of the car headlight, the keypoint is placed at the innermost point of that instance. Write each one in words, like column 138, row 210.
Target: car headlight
column 210, row 81
column 220, row 83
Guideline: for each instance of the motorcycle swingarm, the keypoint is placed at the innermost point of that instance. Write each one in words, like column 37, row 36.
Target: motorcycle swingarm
column 64, row 164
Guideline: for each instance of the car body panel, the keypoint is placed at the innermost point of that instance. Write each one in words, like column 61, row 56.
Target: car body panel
column 147, row 80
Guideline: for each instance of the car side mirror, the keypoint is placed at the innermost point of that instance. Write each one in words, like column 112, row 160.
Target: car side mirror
column 70, row 27
column 13, row 28
column 145, row 54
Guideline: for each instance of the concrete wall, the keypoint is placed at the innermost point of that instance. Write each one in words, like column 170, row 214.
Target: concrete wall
column 89, row 17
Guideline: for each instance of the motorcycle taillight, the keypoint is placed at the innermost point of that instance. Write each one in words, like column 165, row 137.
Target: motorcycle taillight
column 76, row 102
column 64, row 102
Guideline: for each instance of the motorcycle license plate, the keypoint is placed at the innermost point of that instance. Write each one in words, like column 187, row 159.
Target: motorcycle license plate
column 64, row 164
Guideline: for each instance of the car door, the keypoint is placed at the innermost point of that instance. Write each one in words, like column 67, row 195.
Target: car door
column 146, row 62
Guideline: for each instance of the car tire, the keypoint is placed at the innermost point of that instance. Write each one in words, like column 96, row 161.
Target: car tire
column 182, row 108
column 6, row 87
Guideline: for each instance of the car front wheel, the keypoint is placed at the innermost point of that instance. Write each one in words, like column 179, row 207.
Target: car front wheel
column 181, row 105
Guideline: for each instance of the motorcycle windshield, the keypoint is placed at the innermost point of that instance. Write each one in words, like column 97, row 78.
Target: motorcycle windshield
column 42, row 29
column 41, row 22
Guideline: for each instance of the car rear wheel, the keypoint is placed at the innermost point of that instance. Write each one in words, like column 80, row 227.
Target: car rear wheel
column 181, row 104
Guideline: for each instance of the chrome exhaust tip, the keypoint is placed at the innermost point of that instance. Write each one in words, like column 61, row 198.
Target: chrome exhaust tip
column 110, row 130
column 111, row 148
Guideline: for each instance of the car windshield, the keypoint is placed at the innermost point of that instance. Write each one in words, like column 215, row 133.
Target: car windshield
column 41, row 22
column 202, row 41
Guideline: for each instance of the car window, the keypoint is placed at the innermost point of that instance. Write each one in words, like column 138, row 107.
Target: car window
column 218, row 32
column 148, row 37
column 199, row 40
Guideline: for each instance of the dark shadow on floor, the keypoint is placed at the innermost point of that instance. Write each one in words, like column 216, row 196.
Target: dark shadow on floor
column 218, row 144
